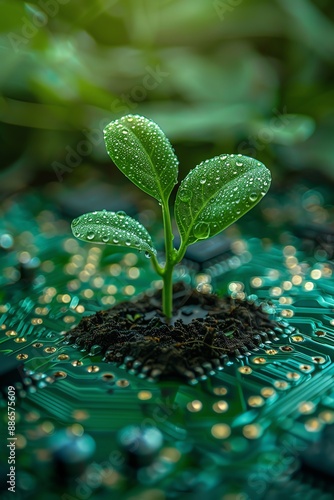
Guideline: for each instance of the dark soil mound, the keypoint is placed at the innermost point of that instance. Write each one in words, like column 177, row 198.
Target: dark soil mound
column 206, row 331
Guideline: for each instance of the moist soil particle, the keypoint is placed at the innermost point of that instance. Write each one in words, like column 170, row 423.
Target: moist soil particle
column 200, row 338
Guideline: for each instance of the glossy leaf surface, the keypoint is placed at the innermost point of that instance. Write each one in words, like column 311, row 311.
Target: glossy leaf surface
column 113, row 228
column 143, row 153
column 218, row 192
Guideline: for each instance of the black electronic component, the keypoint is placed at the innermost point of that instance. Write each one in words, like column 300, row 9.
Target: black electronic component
column 11, row 372
column 71, row 454
column 317, row 238
column 202, row 252
column 140, row 445
column 28, row 270
column 3, row 478
column 319, row 456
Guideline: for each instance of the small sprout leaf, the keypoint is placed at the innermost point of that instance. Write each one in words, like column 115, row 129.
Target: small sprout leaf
column 143, row 153
column 218, row 192
column 113, row 228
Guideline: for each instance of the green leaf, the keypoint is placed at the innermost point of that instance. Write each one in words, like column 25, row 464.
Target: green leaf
column 218, row 192
column 112, row 228
column 143, row 153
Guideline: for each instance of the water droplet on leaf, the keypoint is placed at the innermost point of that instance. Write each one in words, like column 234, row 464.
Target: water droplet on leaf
column 253, row 197
column 202, row 230
column 185, row 195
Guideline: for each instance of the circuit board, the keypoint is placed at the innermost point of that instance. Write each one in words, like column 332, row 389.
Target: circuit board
column 260, row 427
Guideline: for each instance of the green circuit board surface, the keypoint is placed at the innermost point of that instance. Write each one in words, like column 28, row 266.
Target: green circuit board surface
column 259, row 428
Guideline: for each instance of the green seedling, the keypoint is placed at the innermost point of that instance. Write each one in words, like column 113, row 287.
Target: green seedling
column 216, row 193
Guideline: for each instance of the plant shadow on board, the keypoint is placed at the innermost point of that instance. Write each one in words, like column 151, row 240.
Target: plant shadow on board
column 195, row 333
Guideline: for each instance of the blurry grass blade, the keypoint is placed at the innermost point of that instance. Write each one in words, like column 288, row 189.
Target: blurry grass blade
column 143, row 153
column 218, row 192
column 285, row 129
column 304, row 14
column 112, row 228
column 298, row 129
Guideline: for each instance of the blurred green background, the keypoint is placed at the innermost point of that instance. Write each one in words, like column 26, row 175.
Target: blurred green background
column 247, row 76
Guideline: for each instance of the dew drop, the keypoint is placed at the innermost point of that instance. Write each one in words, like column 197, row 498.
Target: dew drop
column 115, row 240
column 147, row 255
column 202, row 230
column 203, row 181
column 75, row 222
column 185, row 195
column 120, row 213
column 90, row 235
column 105, row 238
column 128, row 243
column 253, row 197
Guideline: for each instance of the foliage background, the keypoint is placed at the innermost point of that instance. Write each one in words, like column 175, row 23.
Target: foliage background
column 247, row 76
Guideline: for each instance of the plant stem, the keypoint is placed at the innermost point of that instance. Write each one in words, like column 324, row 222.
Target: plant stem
column 158, row 269
column 167, row 293
column 167, row 276
column 180, row 252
